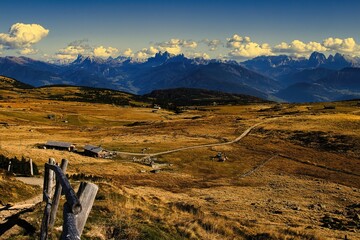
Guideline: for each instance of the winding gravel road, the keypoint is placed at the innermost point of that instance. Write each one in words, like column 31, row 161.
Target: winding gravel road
column 245, row 133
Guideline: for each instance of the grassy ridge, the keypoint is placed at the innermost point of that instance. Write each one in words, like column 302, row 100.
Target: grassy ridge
column 196, row 197
column 166, row 98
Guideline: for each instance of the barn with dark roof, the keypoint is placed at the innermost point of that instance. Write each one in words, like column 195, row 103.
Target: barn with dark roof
column 95, row 151
column 60, row 145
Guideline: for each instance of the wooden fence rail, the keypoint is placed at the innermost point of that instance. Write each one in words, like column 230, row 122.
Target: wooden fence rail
column 76, row 208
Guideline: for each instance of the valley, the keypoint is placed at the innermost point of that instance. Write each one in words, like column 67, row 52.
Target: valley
column 180, row 120
column 295, row 175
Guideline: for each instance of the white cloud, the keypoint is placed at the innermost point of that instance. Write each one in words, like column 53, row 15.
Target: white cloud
column 104, row 52
column 176, row 49
column 299, row 48
column 22, row 36
column 189, row 44
column 141, row 54
column 152, row 50
column 175, row 45
column 250, row 50
column 212, row 44
column 243, row 47
column 75, row 48
column 347, row 45
column 205, row 56
column 236, row 41
column 84, row 43
column 82, row 47
column 282, row 47
column 198, row 55
column 146, row 52
column 28, row 51
column 70, row 52
column 65, row 57
column 128, row 53
column 172, row 46
column 178, row 42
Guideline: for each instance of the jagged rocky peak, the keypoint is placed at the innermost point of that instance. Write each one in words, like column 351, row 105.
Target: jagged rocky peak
column 163, row 55
column 160, row 57
column 18, row 60
column 338, row 56
column 119, row 59
column 272, row 61
column 179, row 57
column 317, row 58
column 342, row 60
column 82, row 59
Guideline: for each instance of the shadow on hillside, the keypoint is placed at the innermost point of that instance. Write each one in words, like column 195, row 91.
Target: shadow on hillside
column 16, row 220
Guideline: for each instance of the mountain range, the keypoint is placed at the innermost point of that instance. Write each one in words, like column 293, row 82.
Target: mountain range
column 283, row 78
column 278, row 66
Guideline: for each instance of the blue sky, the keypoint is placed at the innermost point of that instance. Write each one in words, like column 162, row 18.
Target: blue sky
column 208, row 28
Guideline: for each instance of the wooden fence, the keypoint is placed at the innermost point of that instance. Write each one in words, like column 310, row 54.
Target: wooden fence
column 76, row 208
column 21, row 166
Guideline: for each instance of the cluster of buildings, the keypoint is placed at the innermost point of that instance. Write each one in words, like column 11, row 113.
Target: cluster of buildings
column 89, row 150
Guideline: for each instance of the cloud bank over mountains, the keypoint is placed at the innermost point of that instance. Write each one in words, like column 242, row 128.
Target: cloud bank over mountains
column 23, row 38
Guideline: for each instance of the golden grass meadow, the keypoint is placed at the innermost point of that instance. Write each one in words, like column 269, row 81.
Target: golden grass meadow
column 294, row 176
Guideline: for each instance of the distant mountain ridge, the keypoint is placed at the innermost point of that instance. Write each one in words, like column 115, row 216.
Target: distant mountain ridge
column 159, row 72
column 306, row 76
column 277, row 66
column 268, row 77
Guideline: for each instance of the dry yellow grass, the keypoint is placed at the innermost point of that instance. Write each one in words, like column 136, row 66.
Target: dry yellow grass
column 198, row 198
column 13, row 191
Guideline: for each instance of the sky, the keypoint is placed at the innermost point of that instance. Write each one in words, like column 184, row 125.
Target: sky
column 228, row 29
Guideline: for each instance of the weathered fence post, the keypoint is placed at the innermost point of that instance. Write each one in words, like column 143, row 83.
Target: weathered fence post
column 76, row 208
column 51, row 178
column 48, row 176
column 86, row 194
column 31, row 168
column 70, row 231
column 57, row 194
column 9, row 167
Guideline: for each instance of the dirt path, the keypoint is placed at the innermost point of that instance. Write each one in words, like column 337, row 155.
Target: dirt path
column 8, row 211
column 245, row 133
column 31, row 180
column 256, row 168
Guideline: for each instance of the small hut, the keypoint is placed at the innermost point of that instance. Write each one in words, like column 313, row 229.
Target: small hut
column 221, row 157
column 60, row 145
column 95, row 151
column 156, row 107
column 329, row 106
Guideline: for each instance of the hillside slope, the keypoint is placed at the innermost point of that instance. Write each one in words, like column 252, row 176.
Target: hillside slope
column 335, row 85
column 12, row 88
column 199, row 97
column 10, row 84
